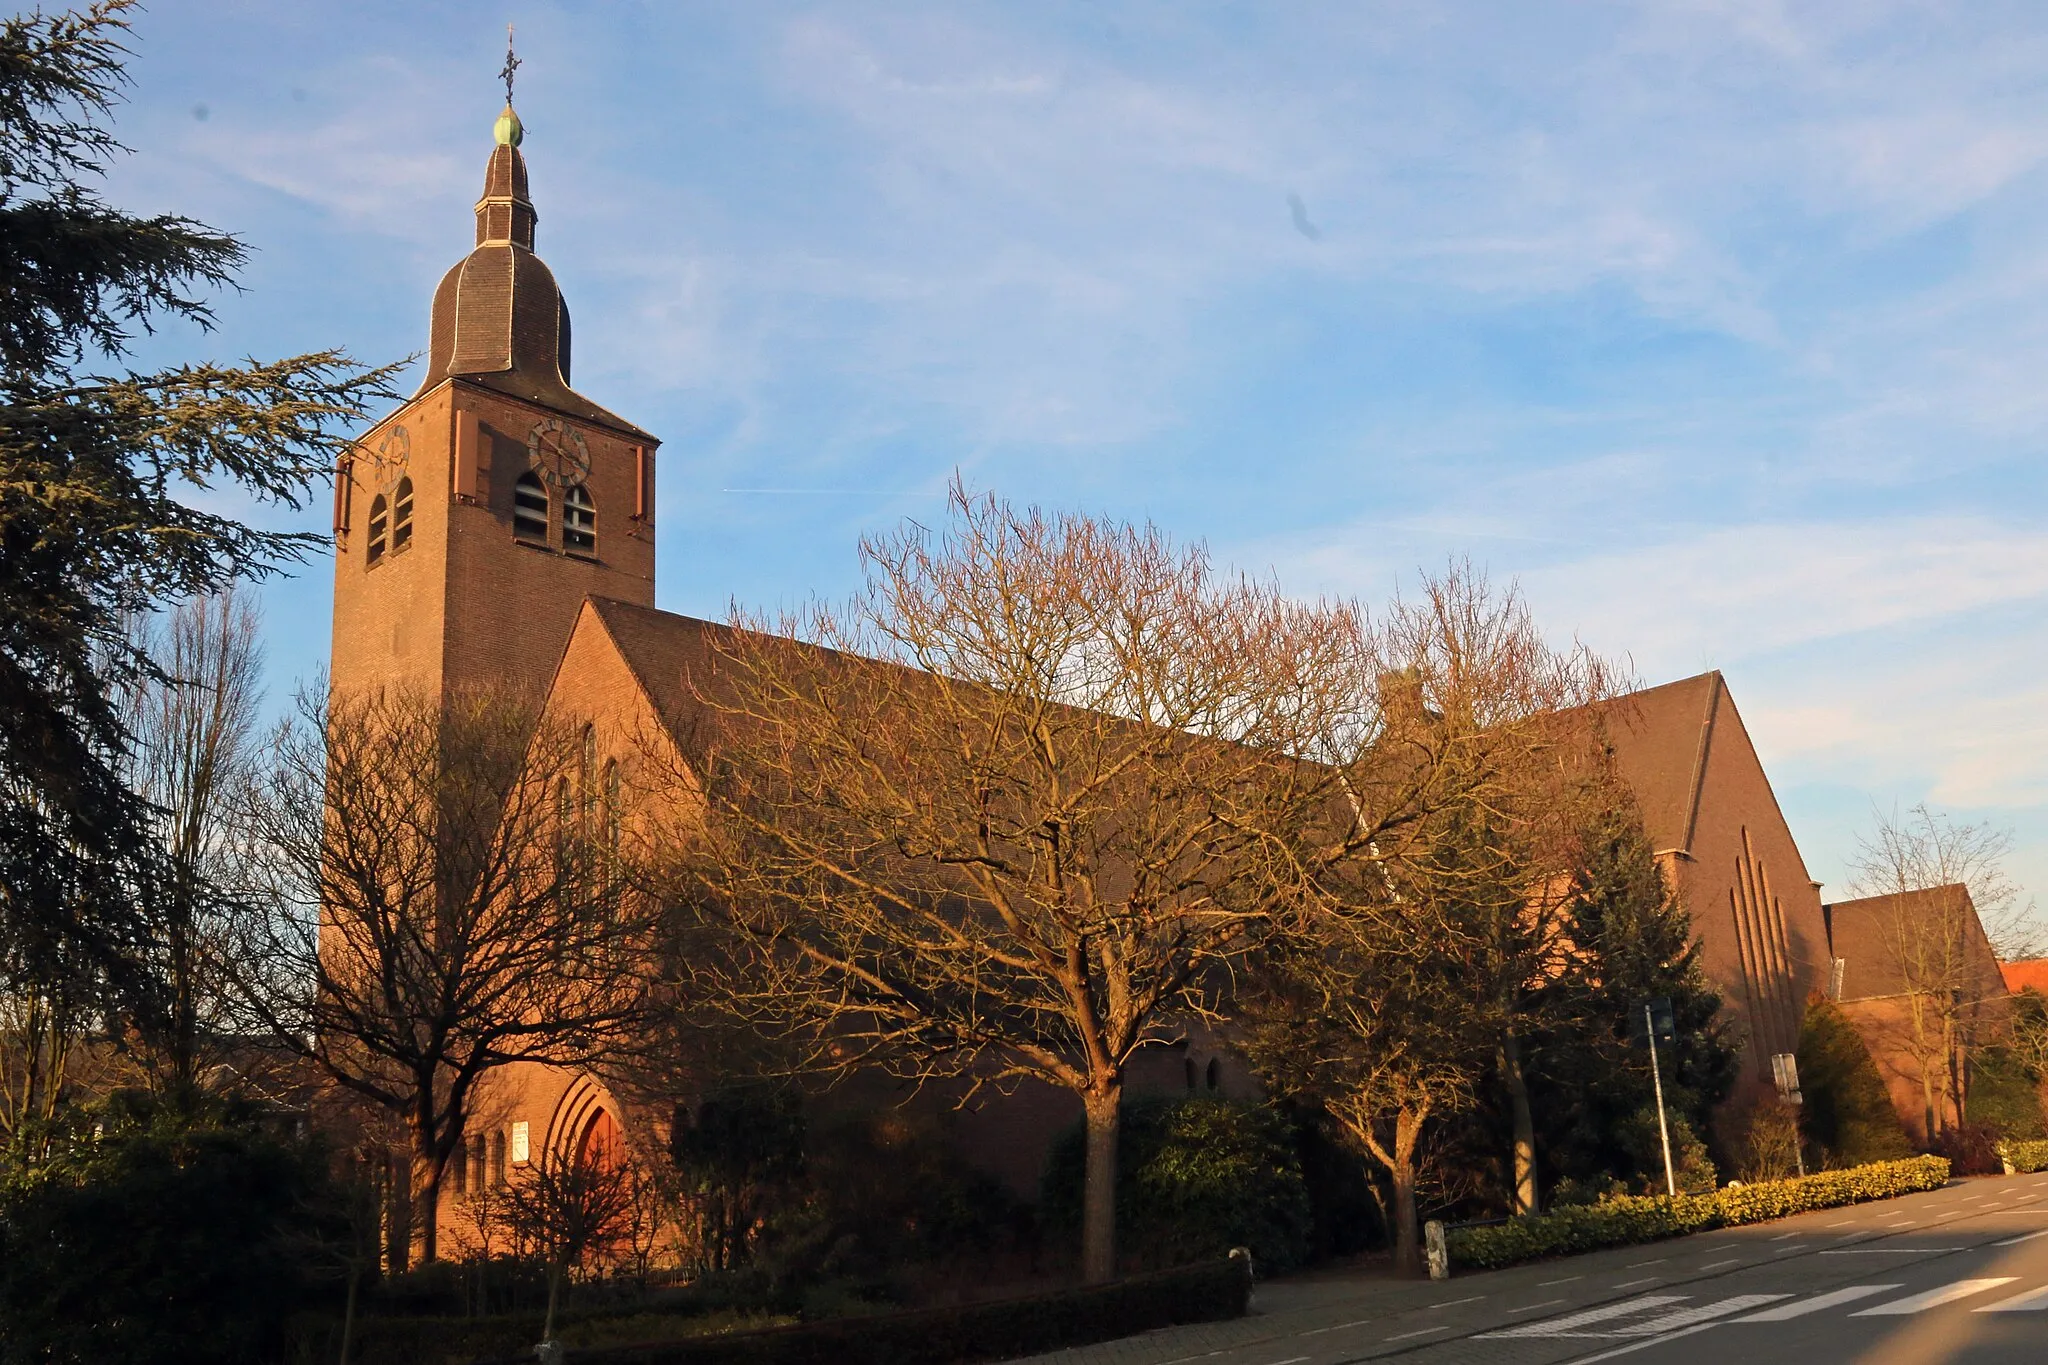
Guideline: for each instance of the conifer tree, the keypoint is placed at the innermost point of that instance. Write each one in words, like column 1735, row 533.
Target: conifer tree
column 102, row 484
column 1635, row 943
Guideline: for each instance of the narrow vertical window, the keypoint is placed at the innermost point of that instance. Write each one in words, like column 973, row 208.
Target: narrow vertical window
column 586, row 778
column 611, row 806
column 497, row 1158
column 458, row 1166
column 401, row 515
column 579, row 521
column 380, row 518
column 530, row 509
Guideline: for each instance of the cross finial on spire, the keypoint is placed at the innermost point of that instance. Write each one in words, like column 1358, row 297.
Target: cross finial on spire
column 511, row 65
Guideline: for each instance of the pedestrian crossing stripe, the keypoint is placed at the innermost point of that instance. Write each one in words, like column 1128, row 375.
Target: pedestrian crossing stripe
column 1786, row 1312
column 1652, row 1315
column 1934, row 1298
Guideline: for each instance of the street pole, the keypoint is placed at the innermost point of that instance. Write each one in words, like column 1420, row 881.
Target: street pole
column 1657, row 1080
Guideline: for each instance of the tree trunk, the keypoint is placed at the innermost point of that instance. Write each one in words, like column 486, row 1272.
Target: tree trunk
column 1408, row 1258
column 425, row 1186
column 1103, row 1105
column 547, row 1331
column 1517, row 1082
column 348, row 1312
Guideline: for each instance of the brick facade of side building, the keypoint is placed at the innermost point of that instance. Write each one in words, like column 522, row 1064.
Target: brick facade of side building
column 498, row 528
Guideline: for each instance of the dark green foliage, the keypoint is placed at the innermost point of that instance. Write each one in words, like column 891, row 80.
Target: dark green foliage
column 96, row 519
column 1591, row 1084
column 1344, row 1214
column 739, row 1154
column 884, row 1198
column 2003, row 1096
column 1211, row 1292
column 159, row 1232
column 1195, row 1177
column 1847, row 1113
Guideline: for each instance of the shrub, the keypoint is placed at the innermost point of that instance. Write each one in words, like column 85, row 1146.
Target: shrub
column 2024, row 1157
column 1210, row 1292
column 1971, row 1148
column 2003, row 1095
column 1848, row 1113
column 1632, row 1219
column 159, row 1233
column 1195, row 1177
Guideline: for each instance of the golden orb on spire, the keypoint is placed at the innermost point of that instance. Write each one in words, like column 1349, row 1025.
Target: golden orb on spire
column 508, row 131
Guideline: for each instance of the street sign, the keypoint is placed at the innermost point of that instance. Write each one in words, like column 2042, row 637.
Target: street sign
column 1654, row 1016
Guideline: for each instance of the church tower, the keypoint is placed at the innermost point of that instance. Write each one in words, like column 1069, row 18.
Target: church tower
column 471, row 524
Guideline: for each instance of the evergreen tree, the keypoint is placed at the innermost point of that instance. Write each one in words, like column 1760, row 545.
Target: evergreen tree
column 1635, row 943
column 98, row 518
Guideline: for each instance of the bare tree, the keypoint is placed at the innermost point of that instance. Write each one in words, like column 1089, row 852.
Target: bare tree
column 1940, row 938
column 441, row 875
column 40, row 1036
column 567, row 1211
column 1492, row 722
column 1012, row 811
column 1426, row 962
column 194, row 741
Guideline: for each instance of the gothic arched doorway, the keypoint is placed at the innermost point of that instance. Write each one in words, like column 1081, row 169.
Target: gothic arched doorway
column 600, row 1146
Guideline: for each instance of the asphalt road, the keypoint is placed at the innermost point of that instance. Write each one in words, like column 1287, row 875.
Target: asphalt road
column 1954, row 1275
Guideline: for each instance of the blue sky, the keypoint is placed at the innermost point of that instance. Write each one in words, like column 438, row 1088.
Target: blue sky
column 1720, row 325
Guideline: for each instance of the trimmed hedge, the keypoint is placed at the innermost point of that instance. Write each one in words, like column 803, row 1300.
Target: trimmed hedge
column 2025, row 1157
column 1210, row 1292
column 1625, row 1221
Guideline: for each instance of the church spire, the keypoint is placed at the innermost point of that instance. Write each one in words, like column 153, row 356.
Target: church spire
column 499, row 318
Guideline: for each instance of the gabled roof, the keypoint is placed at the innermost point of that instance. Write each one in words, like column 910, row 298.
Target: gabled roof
column 1661, row 737
column 1868, row 933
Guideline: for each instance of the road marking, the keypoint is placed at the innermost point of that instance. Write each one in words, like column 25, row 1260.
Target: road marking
column 1783, row 1235
column 1453, row 1303
column 1532, row 1307
column 1839, row 1223
column 1564, row 1326
column 2024, row 1237
column 1335, row 1327
column 1566, row 1280
column 1892, row 1251
column 1633, row 1264
column 1686, row 1317
column 1934, row 1298
column 1423, row 1333
column 1291, row 1360
column 1631, row 1284
column 1718, row 1264
column 1641, row 1345
column 1786, row 1312
column 2033, row 1301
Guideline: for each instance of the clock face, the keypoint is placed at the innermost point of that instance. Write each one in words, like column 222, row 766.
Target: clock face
column 390, row 455
column 557, row 452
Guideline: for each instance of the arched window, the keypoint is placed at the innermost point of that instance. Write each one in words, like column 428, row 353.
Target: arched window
column 401, row 515
column 586, row 782
column 579, row 521
column 530, row 509
column 497, row 1158
column 1214, row 1075
column 458, row 1166
column 611, row 806
column 380, row 518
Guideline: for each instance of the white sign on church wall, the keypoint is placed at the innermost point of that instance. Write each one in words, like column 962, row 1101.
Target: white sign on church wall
column 519, row 1143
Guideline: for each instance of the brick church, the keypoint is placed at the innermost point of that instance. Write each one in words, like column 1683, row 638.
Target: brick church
column 499, row 528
